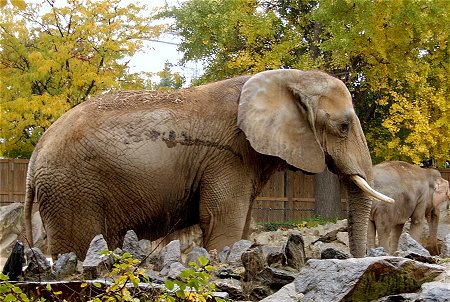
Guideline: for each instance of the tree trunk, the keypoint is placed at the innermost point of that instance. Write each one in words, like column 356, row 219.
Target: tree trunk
column 328, row 195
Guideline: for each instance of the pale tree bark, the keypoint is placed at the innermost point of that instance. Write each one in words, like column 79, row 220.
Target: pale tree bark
column 328, row 195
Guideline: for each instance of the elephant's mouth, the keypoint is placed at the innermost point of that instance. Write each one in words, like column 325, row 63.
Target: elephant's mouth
column 364, row 186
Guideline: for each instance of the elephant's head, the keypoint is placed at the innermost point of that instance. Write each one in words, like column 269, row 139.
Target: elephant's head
column 307, row 118
column 441, row 193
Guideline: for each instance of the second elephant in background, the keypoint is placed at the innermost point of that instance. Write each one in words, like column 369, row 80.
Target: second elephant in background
column 418, row 193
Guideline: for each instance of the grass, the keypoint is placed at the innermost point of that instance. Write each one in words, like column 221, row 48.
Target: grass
column 305, row 223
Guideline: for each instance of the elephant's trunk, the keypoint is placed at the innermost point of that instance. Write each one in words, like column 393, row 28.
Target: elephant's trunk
column 359, row 205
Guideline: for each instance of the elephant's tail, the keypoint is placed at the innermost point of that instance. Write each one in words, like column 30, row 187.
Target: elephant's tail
column 28, row 205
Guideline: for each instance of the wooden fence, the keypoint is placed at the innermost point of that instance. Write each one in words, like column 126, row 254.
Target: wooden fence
column 287, row 196
column 13, row 174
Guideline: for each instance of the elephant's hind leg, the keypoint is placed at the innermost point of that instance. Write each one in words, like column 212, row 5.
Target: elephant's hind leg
column 71, row 228
column 371, row 232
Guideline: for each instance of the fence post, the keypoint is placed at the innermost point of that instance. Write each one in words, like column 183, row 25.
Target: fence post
column 285, row 194
column 11, row 178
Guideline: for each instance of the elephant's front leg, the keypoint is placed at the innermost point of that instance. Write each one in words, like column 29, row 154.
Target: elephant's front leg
column 418, row 221
column 225, row 203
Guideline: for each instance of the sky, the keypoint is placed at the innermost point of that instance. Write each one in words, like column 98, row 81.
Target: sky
column 158, row 53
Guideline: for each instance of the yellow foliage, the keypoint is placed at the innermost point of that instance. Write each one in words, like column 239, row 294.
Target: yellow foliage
column 52, row 62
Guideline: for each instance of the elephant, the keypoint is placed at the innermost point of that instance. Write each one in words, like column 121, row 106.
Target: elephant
column 158, row 161
column 418, row 194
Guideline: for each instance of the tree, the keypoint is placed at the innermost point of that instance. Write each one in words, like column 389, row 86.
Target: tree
column 243, row 36
column 51, row 62
column 169, row 79
column 396, row 55
column 392, row 55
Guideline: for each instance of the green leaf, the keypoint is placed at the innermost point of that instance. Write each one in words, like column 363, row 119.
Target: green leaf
column 193, row 264
column 9, row 298
column 180, row 294
column 105, row 252
column 203, row 260
column 97, row 284
column 126, row 255
column 169, row 284
column 24, row 297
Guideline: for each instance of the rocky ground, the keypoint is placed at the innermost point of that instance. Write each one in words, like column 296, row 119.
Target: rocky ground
column 312, row 264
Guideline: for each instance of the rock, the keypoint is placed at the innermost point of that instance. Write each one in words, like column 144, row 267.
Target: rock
column 15, row 262
column 328, row 232
column 173, row 270
column 256, row 291
column 353, row 279
column 171, row 253
column 377, row 252
column 227, row 272
column 332, row 253
column 146, row 246
column 408, row 297
column 286, row 293
column 342, row 237
column 223, row 254
column 95, row 264
column 236, row 251
column 65, row 265
column 274, row 239
column 408, row 244
column 315, row 250
column 232, row 286
column 154, row 277
column 38, row 265
column 445, row 249
column 435, row 292
column 11, row 226
column 131, row 245
column 294, row 250
column 410, row 248
column 253, row 261
column 276, row 259
column 7, row 243
column 275, row 278
column 195, row 254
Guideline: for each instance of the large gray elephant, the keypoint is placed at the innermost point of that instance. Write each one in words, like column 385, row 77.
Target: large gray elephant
column 158, row 161
column 418, row 193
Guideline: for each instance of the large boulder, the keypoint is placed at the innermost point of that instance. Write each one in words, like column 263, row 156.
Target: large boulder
column 11, row 227
column 95, row 264
column 362, row 279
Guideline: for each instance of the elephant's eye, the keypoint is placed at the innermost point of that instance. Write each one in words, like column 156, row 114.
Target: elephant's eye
column 345, row 128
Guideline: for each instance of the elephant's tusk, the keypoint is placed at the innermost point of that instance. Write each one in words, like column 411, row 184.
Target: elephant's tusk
column 363, row 185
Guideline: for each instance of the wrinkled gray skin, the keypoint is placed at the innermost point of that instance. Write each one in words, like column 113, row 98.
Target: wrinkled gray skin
column 418, row 193
column 158, row 161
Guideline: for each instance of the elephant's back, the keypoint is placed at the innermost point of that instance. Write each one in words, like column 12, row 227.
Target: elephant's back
column 217, row 94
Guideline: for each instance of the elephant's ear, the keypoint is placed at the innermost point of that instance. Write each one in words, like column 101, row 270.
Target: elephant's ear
column 439, row 186
column 276, row 113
